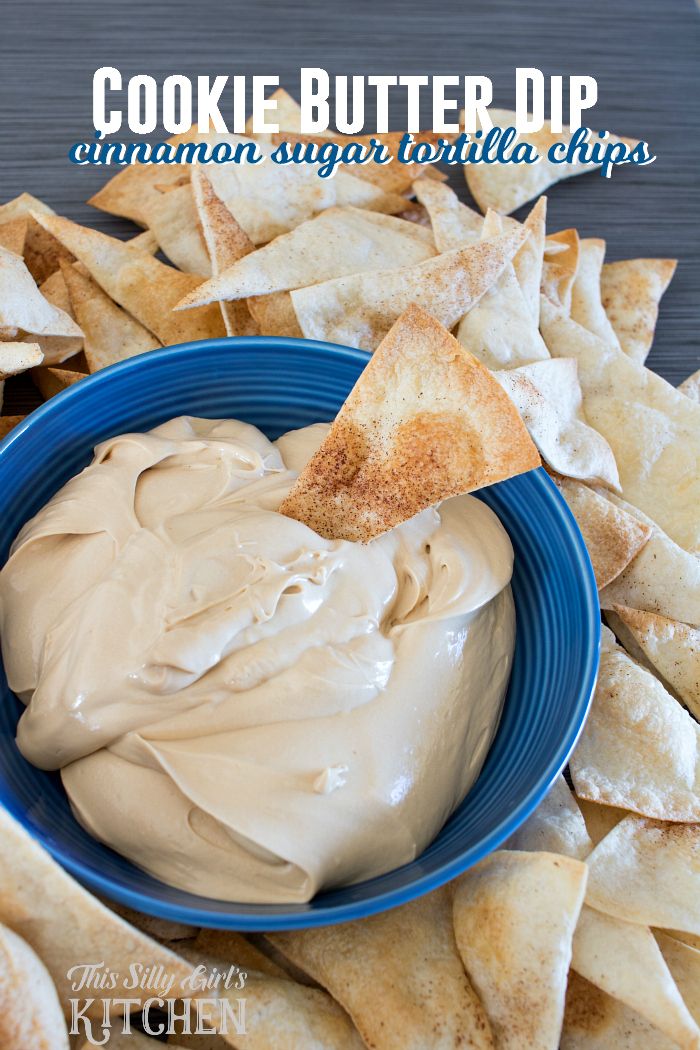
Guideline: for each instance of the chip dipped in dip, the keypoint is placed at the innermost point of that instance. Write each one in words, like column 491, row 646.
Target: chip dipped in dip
column 243, row 708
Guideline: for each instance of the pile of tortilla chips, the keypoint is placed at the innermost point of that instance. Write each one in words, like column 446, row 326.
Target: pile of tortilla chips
column 584, row 931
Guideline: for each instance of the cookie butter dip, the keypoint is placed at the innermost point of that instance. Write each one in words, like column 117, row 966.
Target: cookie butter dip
column 246, row 710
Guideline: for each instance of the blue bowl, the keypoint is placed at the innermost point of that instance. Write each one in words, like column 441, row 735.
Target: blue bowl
column 278, row 385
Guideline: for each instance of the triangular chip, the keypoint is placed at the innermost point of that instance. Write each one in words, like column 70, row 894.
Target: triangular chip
column 226, row 243
column 454, row 225
column 174, row 222
column 672, row 648
column 274, row 314
column 600, row 820
column 624, row 960
column 58, row 348
column 398, row 975
column 425, row 421
column 13, row 235
column 547, row 395
column 631, row 291
column 145, row 242
column 560, row 266
column 586, row 303
column 8, row 423
column 650, row 581
column 52, row 381
column 529, row 261
column 612, row 536
column 648, row 872
column 639, row 750
column 684, row 963
column 18, row 357
column 111, row 334
column 23, row 306
column 596, row 1021
column 337, row 242
column 653, row 430
column 514, row 917
column 506, row 186
column 145, row 287
column 42, row 252
column 556, row 826
column 31, row 1017
column 691, row 386
column 287, row 115
column 359, row 310
column 63, row 922
column 500, row 329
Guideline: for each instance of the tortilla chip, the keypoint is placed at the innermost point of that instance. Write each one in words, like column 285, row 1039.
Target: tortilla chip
column 684, row 963
column 596, row 1021
column 30, row 1013
column 287, row 116
column 145, row 242
column 337, row 242
column 556, row 826
column 600, row 820
column 163, row 930
column 52, row 381
column 111, row 334
column 529, row 261
column 454, row 225
column 398, row 974
column 42, row 252
column 23, row 306
column 691, row 386
column 275, row 315
column 424, row 422
column 13, row 235
column 62, row 921
column 514, row 916
column 359, row 310
column 226, row 243
column 653, row 430
column 612, row 536
column 586, row 303
column 499, row 329
column 506, row 186
column 631, row 291
column 8, row 423
column 648, row 872
column 639, row 750
column 547, row 395
column 174, row 222
column 58, row 348
column 143, row 286
column 560, row 266
column 236, row 950
column 18, row 357
column 671, row 647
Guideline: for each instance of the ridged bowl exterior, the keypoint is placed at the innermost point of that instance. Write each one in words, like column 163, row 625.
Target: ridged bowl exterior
column 278, row 385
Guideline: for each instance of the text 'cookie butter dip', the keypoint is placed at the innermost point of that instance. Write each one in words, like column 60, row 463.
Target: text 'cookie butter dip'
column 247, row 710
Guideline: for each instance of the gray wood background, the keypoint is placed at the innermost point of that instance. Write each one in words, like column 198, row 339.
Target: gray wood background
column 645, row 55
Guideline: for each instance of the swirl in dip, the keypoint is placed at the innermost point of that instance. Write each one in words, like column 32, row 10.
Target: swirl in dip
column 246, row 710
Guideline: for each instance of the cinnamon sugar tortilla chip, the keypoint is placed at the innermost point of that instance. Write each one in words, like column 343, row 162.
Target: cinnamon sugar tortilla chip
column 13, row 235
column 612, row 536
column 600, row 820
column 691, row 386
column 174, row 222
column 631, row 291
column 560, row 266
column 529, row 261
column 337, row 242
column 586, row 303
column 42, row 252
column 111, row 334
column 514, row 917
column 30, row 1013
column 143, row 286
column 506, row 186
column 287, row 115
column 653, row 430
column 683, row 961
column 672, row 648
column 226, row 243
column 398, row 974
column 556, row 826
column 663, row 578
column 500, row 329
column 624, row 960
column 425, row 421
column 8, row 423
column 23, row 306
column 639, row 750
column 63, row 922
column 58, row 348
column 236, row 950
column 274, row 314
column 52, row 381
column 359, row 310
column 18, row 357
column 454, row 225
column 648, row 872
column 145, row 242
column 547, row 395
column 596, row 1021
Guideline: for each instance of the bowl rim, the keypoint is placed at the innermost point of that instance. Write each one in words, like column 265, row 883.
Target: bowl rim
column 274, row 916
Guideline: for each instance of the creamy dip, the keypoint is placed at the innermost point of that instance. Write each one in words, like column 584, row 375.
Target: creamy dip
column 246, row 710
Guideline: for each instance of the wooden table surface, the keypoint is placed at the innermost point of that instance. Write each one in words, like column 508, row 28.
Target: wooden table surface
column 645, row 56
